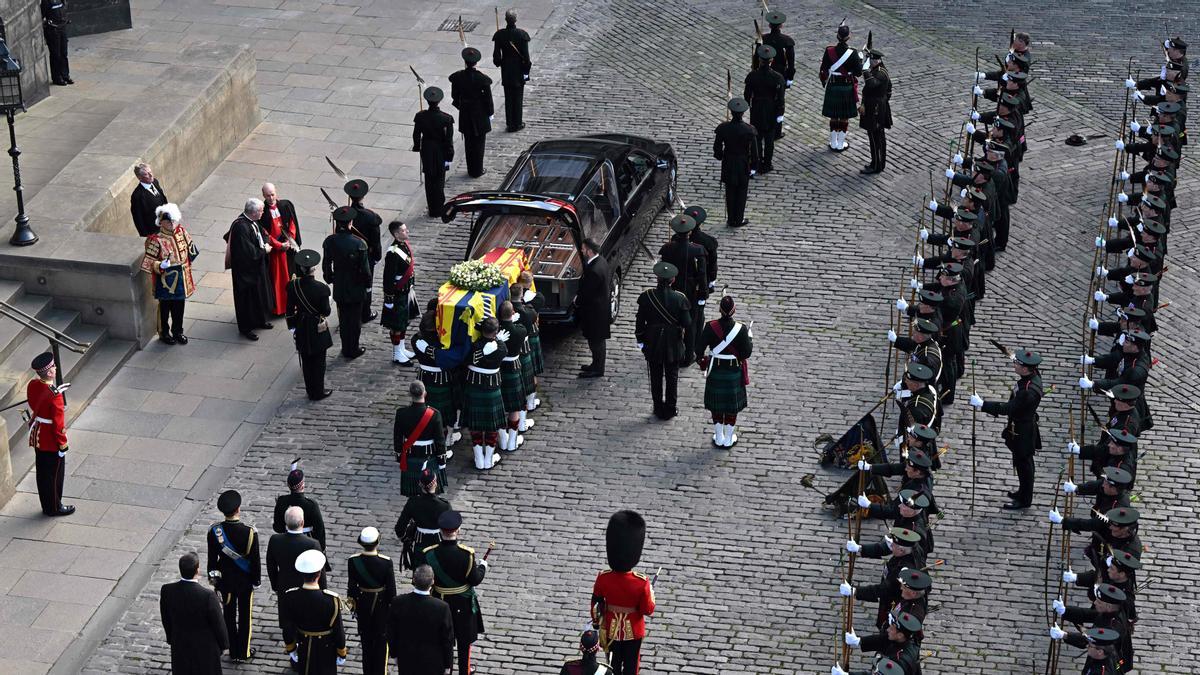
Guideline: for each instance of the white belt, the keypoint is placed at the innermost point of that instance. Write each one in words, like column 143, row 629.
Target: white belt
column 422, row 530
column 728, row 357
column 483, row 371
column 424, row 442
column 42, row 420
column 511, row 359
column 430, row 369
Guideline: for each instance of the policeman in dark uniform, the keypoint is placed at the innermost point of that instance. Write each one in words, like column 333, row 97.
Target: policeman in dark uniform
column 471, row 94
column 433, row 137
column 314, row 524
column 511, row 56
column 456, row 573
column 736, row 146
column 307, row 311
column 691, row 262
column 706, row 240
column 371, row 587
column 1021, row 434
column 662, row 318
column 311, row 621
column 234, row 570
column 54, row 28
column 417, row 526
column 347, row 266
column 367, row 224
column 764, row 89
column 784, row 62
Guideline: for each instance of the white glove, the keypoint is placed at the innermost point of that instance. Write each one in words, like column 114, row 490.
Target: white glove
column 1055, row 517
column 447, row 164
column 949, row 173
column 294, row 655
column 1135, row 127
column 1113, row 223
column 1093, row 324
column 1069, row 577
column 924, row 234
column 932, row 207
column 341, row 660
column 1120, row 145
column 891, row 336
column 974, row 115
column 788, row 84
column 491, row 117
column 976, row 402
column 526, row 77
column 503, row 335
column 846, row 590
column 864, row 465
column 1100, row 242
column 1162, row 72
column 958, row 159
column 700, row 302
column 1101, row 271
column 918, row 261
column 1130, row 84
column 1086, row 360
column 62, row 453
column 1124, row 176
column 779, row 119
column 164, row 264
column 1121, row 339
column 1072, row 447
column 962, row 194
column 1057, row 633
column 977, row 90
column 1085, row 383
column 1122, row 197
column 1139, row 96
column 389, row 305
column 837, row 670
column 914, row 284
column 970, row 128
column 1059, row 607
column 267, row 248
column 641, row 345
column 483, row 563
column 897, row 387
column 490, row 347
column 888, row 540
column 979, row 77
column 1069, row 487
column 421, row 344
column 903, row 394
column 901, row 305
column 292, row 331
column 863, row 502
column 753, row 172
column 852, row 546
column 1100, row 296
column 852, row 639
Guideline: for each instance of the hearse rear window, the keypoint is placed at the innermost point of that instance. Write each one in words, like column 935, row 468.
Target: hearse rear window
column 549, row 174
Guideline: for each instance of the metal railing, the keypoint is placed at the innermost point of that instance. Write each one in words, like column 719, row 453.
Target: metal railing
column 55, row 337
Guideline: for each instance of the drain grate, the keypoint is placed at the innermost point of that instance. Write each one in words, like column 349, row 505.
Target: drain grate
column 451, row 25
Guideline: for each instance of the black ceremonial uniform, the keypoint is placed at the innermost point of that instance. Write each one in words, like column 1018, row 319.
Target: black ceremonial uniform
column 311, row 621
column 235, row 570
column 663, row 315
column 876, row 114
column 691, row 261
column 737, row 148
column 314, row 525
column 346, row 264
column 471, row 94
column 764, row 90
column 307, row 309
column 417, row 526
column 784, row 62
column 371, row 587
column 433, row 137
column 511, row 56
column 455, row 576
column 920, row 408
column 368, row 224
column 1021, row 434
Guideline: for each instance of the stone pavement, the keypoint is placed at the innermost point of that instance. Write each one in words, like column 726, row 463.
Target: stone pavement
column 750, row 561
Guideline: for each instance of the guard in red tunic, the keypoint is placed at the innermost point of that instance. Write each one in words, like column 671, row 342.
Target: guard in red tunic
column 622, row 598
column 48, row 434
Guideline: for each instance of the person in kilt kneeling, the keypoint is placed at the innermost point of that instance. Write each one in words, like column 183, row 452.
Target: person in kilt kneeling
column 729, row 343
column 441, row 391
column 840, row 67
column 512, row 377
column 483, row 409
column 419, row 436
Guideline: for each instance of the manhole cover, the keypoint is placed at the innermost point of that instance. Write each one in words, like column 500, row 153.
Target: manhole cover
column 452, row 24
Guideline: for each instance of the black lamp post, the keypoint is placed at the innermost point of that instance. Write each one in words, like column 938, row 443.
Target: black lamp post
column 11, row 100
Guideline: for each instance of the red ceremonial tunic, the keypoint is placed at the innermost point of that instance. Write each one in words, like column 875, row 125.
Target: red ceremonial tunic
column 48, row 431
column 277, row 260
column 628, row 600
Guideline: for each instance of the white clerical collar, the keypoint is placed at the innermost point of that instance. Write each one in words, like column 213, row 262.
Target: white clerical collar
column 419, row 591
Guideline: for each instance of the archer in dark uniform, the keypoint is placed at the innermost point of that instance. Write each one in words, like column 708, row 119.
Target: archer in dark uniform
column 419, row 441
column 311, row 620
column 347, row 266
column 692, row 280
column 471, row 94
column 729, row 344
column 662, row 317
column 54, row 29
column 784, row 62
column 736, row 146
column 764, row 89
column 709, row 242
column 895, row 647
column 511, row 56
column 307, row 311
column 1021, row 434
column 456, row 574
column 367, row 224
column 876, row 110
column 191, row 619
column 840, row 68
column 371, row 587
column 433, row 138
column 417, row 526
column 234, row 570
column 314, row 524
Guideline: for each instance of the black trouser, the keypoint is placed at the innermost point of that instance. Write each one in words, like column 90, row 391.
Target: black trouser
column 766, row 148
column 878, row 140
column 170, row 311
column 691, row 334
column 658, row 372
column 625, row 656
column 464, row 657
column 56, row 46
column 435, row 191
column 1014, row 175
column 473, row 149
column 350, row 319
column 1000, row 234
column 366, row 304
column 312, row 367
column 599, row 349
column 237, row 608
column 514, row 99
column 735, row 200
column 372, row 635
column 51, row 469
column 1023, row 463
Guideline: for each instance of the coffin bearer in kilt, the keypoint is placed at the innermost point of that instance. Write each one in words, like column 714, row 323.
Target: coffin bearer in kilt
column 1021, row 434
column 534, row 301
column 875, row 112
column 729, row 343
column 433, row 137
column 512, row 380
column 399, row 300
column 622, row 598
column 235, row 570
column 840, row 68
column 784, row 62
column 168, row 261
column 441, row 390
column 511, row 56
column 371, row 587
column 314, row 524
column 471, row 94
column 419, row 441
column 48, row 434
column 191, row 619
column 366, row 227
column 348, row 267
column 307, row 318
column 690, row 259
column 311, row 621
column 484, row 405
column 456, row 573
column 764, row 89
column 663, row 315
column 736, row 146
column 417, row 526
column 528, row 317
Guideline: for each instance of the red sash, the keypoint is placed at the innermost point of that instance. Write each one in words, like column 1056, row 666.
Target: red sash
column 414, row 437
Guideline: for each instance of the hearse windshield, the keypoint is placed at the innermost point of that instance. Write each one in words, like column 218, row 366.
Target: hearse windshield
column 553, row 175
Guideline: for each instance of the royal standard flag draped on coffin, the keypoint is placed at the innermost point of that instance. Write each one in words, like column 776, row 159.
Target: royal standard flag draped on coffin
column 460, row 310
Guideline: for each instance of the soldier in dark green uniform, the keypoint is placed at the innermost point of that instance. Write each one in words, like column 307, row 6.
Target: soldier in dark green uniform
column 347, row 266
column 662, row 317
column 875, row 111
column 457, row 572
column 709, row 242
column 528, row 317
column 440, row 388
column 764, row 89
column 690, row 259
column 367, row 224
column 1021, row 434
column 419, row 440
column 729, row 343
column 515, row 340
column 433, row 137
column 399, row 301
column 736, row 147
column 784, row 62
column 311, row 621
column 417, row 525
column 511, row 56
column 917, row 400
column 371, row 587
column 897, row 642
column 314, row 524
column 307, row 311
column 471, row 93
column 840, row 67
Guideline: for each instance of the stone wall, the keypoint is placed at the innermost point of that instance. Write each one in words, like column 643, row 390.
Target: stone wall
column 23, row 27
column 98, row 16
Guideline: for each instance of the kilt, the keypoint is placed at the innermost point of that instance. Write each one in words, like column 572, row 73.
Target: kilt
column 724, row 393
column 840, row 103
column 396, row 318
column 409, row 483
column 535, row 351
column 483, row 409
column 441, row 398
column 512, row 386
column 527, row 373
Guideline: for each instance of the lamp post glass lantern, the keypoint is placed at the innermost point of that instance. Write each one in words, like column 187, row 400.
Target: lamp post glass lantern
column 11, row 100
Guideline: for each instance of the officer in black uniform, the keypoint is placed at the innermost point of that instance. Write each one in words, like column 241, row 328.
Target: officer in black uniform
column 347, row 266
column 433, row 137
column 307, row 313
column 54, row 28
column 311, row 620
column 706, row 240
column 1021, row 434
column 367, row 223
column 784, row 62
column 314, row 524
column 456, row 573
column 234, row 570
column 471, row 94
column 662, row 318
column 417, row 526
column 511, row 56
column 875, row 111
column 764, row 89
column 736, row 146
column 371, row 587
column 691, row 262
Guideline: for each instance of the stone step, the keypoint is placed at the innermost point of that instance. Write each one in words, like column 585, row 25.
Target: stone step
column 14, row 369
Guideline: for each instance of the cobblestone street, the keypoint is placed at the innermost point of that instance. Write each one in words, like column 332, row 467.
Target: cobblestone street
column 750, row 560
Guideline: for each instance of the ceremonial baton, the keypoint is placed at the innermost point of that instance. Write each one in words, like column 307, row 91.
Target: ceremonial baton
column 490, row 548
column 728, row 94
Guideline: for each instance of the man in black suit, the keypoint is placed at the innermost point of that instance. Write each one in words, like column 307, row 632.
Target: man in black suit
column 191, row 618
column 283, row 549
column 420, row 629
column 234, row 570
column 248, row 263
column 146, row 197
column 307, row 311
column 471, row 93
column 592, row 306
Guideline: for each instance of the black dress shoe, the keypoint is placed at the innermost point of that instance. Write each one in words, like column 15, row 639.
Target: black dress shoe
column 589, row 374
column 586, row 367
column 249, row 335
column 355, row 354
column 60, row 83
column 671, row 412
column 267, row 325
column 166, row 339
column 745, row 222
column 181, row 339
column 67, row 80
column 63, row 510
column 1012, row 494
column 371, row 317
column 323, row 395
column 1015, row 506
column 868, row 169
